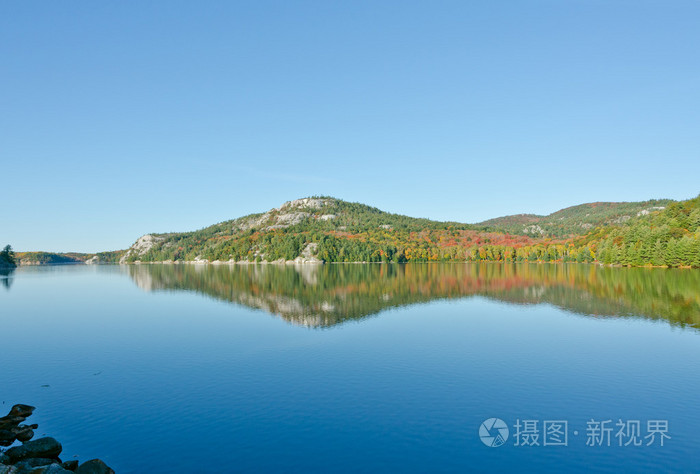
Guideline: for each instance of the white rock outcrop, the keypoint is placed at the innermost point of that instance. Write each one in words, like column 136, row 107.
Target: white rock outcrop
column 288, row 214
column 141, row 246
column 313, row 203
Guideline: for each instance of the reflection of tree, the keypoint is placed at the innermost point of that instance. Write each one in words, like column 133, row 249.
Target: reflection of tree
column 6, row 277
column 325, row 295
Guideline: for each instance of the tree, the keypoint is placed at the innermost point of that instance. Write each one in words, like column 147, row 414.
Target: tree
column 7, row 256
column 672, row 257
column 659, row 256
column 686, row 250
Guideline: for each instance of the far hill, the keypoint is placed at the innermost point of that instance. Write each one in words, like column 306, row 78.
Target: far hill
column 575, row 220
column 67, row 258
column 50, row 258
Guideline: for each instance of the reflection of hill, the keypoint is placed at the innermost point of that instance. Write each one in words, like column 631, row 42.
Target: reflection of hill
column 325, row 295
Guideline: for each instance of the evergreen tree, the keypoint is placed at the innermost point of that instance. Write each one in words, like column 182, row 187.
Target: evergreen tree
column 686, row 250
column 7, row 256
column 672, row 258
column 659, row 254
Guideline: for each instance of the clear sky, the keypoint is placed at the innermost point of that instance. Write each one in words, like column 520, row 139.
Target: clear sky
column 123, row 118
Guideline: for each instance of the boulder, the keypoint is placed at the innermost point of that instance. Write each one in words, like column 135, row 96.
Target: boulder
column 24, row 433
column 50, row 469
column 71, row 465
column 7, row 436
column 31, row 463
column 94, row 466
column 41, row 448
column 21, row 410
column 10, row 428
column 39, row 456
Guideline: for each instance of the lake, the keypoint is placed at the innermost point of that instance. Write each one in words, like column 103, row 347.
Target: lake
column 358, row 367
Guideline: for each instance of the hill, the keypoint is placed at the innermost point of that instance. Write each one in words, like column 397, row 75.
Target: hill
column 50, row 258
column 322, row 229
column 68, row 258
column 575, row 220
column 325, row 229
column 670, row 237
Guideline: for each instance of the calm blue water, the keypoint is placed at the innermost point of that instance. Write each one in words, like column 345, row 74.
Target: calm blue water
column 160, row 371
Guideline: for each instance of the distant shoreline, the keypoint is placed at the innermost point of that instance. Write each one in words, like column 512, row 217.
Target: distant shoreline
column 320, row 263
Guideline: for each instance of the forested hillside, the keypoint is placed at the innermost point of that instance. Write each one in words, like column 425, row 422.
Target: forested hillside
column 49, row 258
column 670, row 237
column 575, row 220
column 330, row 230
column 52, row 258
column 324, row 229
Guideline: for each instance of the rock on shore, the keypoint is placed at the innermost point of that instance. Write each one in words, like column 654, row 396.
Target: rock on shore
column 40, row 456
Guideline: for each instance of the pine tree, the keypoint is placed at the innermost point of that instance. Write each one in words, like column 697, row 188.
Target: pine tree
column 646, row 248
column 672, row 258
column 603, row 252
column 686, row 250
column 7, row 256
column 659, row 255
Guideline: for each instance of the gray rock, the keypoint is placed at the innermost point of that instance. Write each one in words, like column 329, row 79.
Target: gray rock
column 94, row 466
column 71, row 465
column 24, row 433
column 10, row 428
column 50, row 469
column 4, row 459
column 39, row 448
column 22, row 410
column 31, row 463
column 7, row 436
column 8, row 470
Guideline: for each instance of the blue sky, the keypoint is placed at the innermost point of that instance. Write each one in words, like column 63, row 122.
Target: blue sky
column 122, row 118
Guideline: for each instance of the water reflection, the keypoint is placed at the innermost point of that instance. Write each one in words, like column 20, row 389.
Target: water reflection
column 6, row 277
column 326, row 295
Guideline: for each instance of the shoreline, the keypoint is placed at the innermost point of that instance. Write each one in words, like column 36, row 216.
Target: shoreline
column 320, row 262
